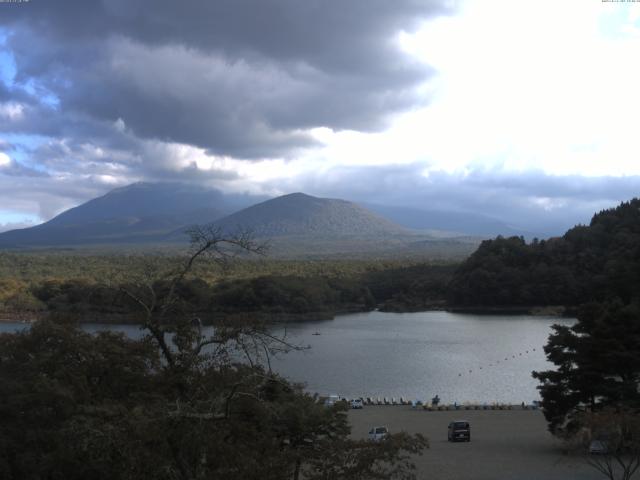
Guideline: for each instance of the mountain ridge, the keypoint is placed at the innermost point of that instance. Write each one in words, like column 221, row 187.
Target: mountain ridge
column 150, row 215
column 137, row 213
column 449, row 222
column 301, row 214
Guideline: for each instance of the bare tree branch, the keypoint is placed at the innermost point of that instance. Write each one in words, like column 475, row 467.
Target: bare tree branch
column 206, row 241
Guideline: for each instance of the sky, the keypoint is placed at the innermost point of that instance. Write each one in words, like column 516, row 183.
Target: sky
column 518, row 109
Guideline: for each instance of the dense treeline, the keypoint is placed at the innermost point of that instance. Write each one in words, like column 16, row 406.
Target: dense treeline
column 272, row 295
column 292, row 294
column 588, row 263
column 87, row 286
column 413, row 287
column 31, row 267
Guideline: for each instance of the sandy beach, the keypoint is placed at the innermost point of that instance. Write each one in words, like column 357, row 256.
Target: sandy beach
column 505, row 444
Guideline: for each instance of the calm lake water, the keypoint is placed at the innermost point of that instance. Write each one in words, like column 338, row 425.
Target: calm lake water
column 460, row 357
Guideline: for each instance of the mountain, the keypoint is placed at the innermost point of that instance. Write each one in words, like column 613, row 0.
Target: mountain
column 138, row 213
column 298, row 214
column 297, row 225
column 451, row 222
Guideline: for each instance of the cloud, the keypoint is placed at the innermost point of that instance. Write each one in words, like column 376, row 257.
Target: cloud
column 5, row 227
column 41, row 198
column 119, row 91
column 11, row 110
column 244, row 78
column 274, row 96
column 72, row 172
column 530, row 201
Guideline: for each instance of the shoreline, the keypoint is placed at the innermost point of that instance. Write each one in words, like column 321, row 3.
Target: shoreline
column 20, row 317
column 208, row 318
column 535, row 310
column 279, row 318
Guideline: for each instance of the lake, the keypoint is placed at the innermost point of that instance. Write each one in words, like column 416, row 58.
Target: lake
column 460, row 357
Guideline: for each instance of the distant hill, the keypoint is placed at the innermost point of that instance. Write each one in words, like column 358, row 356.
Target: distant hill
column 301, row 226
column 148, row 215
column 451, row 222
column 597, row 262
column 300, row 214
column 138, row 213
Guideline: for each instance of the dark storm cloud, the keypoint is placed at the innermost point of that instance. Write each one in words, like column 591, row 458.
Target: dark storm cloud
column 104, row 90
column 335, row 35
column 545, row 205
column 238, row 77
column 15, row 169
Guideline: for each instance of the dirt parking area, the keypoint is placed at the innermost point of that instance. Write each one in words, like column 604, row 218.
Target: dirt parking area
column 505, row 444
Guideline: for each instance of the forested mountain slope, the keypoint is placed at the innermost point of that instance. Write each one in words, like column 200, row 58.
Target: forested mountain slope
column 301, row 214
column 588, row 263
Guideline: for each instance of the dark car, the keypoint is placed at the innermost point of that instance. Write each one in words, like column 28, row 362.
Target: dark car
column 459, row 431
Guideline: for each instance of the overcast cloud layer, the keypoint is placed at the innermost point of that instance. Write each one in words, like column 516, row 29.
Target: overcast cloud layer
column 259, row 96
column 239, row 78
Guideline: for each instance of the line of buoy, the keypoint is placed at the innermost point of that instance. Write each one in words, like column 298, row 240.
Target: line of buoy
column 497, row 362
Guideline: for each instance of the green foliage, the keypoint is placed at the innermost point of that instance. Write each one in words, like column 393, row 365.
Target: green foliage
column 90, row 285
column 63, row 397
column 591, row 263
column 411, row 287
column 77, row 406
column 290, row 294
column 597, row 364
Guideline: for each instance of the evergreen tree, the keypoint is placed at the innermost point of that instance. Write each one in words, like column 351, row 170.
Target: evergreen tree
column 597, row 364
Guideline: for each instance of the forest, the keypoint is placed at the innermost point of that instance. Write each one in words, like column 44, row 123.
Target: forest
column 176, row 404
column 594, row 262
column 90, row 286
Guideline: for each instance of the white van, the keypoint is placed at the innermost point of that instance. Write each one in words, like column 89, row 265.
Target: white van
column 378, row 433
column 331, row 400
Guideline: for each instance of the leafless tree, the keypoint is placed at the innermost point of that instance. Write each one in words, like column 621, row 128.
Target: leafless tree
column 181, row 338
column 610, row 441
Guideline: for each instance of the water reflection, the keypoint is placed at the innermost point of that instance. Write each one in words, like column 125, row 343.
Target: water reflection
column 418, row 355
